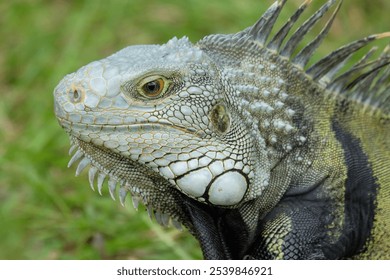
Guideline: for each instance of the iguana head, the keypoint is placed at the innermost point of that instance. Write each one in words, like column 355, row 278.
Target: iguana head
column 165, row 112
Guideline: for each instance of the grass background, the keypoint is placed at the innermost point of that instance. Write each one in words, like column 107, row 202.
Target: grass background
column 47, row 213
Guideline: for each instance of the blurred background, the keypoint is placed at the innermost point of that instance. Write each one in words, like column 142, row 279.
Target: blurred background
column 45, row 211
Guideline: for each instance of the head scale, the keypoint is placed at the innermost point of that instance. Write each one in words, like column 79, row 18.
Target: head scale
column 168, row 109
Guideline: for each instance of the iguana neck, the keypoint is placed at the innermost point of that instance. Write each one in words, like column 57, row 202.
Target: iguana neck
column 266, row 97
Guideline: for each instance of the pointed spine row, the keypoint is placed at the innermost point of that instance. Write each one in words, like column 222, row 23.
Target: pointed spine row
column 95, row 174
column 361, row 81
column 261, row 30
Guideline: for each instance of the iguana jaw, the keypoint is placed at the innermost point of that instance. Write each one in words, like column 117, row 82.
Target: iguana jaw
column 199, row 172
column 146, row 187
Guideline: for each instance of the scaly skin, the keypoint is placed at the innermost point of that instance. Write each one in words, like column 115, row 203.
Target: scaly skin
column 233, row 138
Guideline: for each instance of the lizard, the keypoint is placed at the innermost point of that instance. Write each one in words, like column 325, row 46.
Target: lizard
column 239, row 140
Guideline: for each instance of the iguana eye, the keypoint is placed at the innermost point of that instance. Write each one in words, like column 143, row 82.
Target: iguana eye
column 153, row 87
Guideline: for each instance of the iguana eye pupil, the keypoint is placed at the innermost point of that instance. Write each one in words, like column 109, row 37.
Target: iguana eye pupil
column 153, row 88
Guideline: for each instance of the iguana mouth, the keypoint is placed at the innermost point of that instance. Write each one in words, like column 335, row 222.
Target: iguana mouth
column 161, row 125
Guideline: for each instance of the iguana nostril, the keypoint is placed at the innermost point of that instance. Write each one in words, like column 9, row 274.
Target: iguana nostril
column 76, row 96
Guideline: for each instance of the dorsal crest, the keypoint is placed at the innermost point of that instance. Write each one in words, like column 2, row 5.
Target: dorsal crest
column 367, row 81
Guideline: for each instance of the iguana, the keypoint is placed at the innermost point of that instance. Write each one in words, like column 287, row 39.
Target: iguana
column 235, row 137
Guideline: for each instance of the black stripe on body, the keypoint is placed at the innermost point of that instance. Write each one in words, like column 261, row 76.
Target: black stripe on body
column 360, row 194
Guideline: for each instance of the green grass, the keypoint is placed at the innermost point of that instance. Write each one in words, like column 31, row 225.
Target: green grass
column 47, row 213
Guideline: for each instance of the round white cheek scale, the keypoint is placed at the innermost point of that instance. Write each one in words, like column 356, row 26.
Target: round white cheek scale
column 228, row 189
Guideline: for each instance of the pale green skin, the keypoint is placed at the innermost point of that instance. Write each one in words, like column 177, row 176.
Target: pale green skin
column 235, row 126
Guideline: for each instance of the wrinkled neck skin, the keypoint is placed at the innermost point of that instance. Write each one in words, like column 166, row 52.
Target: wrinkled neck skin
column 266, row 101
